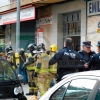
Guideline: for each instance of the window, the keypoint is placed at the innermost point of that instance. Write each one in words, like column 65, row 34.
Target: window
column 79, row 89
column 6, row 72
column 59, row 94
column 98, row 95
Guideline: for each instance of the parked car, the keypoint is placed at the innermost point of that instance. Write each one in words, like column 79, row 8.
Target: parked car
column 77, row 86
column 10, row 86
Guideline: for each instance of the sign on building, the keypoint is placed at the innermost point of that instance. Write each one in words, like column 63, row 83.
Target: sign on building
column 25, row 14
column 13, row 1
column 93, row 7
column 44, row 21
column 40, row 36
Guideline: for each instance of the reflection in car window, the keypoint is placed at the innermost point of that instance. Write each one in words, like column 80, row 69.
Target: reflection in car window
column 6, row 72
column 79, row 89
column 59, row 94
column 98, row 95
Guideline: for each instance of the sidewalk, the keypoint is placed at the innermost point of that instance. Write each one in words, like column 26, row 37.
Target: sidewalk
column 26, row 90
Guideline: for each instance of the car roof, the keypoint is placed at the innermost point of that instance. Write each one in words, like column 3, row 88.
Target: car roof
column 86, row 73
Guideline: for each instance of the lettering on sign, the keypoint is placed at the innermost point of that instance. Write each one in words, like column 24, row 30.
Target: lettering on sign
column 44, row 21
column 25, row 14
column 93, row 7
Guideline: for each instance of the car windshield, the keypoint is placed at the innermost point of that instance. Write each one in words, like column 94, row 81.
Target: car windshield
column 6, row 72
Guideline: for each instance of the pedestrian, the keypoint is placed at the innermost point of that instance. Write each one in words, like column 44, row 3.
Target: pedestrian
column 86, row 54
column 66, row 59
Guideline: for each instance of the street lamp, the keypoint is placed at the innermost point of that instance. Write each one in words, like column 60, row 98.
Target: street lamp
column 18, row 26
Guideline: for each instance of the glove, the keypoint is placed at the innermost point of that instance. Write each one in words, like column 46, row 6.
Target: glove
column 35, row 74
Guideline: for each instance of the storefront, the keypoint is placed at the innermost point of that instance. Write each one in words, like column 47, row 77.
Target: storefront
column 93, row 22
column 69, row 20
column 44, row 26
column 27, row 26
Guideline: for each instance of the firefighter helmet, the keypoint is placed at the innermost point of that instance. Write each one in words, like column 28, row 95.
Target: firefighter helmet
column 31, row 47
column 53, row 48
column 8, row 48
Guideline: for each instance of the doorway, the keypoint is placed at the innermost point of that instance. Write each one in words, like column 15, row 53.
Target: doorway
column 72, row 28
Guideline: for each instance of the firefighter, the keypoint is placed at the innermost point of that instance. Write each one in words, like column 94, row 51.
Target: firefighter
column 42, row 69
column 53, row 68
column 11, row 57
column 30, row 67
column 22, row 61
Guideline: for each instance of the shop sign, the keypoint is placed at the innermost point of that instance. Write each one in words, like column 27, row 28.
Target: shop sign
column 13, row 1
column 44, row 21
column 93, row 7
column 25, row 14
column 40, row 36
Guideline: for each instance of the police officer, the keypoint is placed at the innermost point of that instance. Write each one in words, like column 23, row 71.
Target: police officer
column 86, row 55
column 66, row 58
column 94, row 63
column 42, row 69
column 30, row 67
column 11, row 57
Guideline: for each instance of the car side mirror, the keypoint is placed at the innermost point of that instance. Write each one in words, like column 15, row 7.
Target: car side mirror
column 20, row 77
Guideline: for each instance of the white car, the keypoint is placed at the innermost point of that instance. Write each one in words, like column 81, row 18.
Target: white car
column 78, row 86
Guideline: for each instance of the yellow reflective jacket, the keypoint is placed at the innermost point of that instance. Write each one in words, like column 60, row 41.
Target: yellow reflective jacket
column 31, row 66
column 52, row 68
column 42, row 62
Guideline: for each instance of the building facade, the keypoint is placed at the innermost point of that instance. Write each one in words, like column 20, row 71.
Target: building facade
column 93, row 22
column 69, row 20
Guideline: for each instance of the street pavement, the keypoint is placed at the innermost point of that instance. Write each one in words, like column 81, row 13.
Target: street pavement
column 26, row 90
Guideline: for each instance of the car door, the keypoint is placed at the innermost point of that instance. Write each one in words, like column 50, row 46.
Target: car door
column 77, row 89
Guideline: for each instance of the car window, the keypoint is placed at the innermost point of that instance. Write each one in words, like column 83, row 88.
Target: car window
column 79, row 89
column 98, row 95
column 6, row 72
column 59, row 94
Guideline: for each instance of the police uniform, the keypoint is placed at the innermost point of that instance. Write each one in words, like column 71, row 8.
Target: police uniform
column 85, row 57
column 94, row 63
column 66, row 60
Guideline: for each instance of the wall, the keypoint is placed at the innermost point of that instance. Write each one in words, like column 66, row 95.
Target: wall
column 43, row 15
column 58, row 11
column 92, row 27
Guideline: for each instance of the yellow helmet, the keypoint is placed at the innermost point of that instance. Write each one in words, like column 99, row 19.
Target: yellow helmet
column 53, row 48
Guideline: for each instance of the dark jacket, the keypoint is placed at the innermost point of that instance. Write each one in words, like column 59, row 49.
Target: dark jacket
column 94, row 63
column 64, row 58
column 67, row 61
column 85, row 59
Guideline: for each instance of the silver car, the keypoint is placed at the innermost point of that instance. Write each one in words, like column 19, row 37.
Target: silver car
column 78, row 86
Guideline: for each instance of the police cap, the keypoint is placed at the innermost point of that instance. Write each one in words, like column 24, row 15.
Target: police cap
column 87, row 43
column 98, row 44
